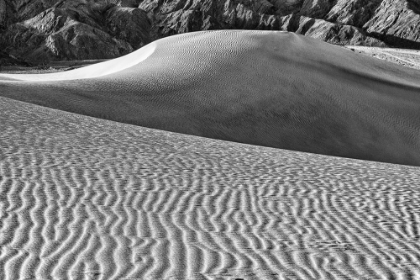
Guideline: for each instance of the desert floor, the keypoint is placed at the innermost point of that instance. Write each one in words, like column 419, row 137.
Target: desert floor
column 84, row 198
column 404, row 57
column 89, row 198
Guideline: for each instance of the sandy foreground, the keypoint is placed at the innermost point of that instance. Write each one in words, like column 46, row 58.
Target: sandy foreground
column 86, row 197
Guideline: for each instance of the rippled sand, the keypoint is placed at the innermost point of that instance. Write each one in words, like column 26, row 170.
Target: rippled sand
column 266, row 88
column 90, row 198
column 84, row 198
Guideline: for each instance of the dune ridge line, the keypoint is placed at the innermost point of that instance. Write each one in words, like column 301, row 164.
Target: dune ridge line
column 91, row 71
column 275, row 89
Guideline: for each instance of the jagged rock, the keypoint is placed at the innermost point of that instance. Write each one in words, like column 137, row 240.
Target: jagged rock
column 316, row 8
column 75, row 30
column 180, row 16
column 286, row 7
column 327, row 31
column 57, row 34
column 355, row 13
column 397, row 22
column 26, row 9
column 47, row 29
column 341, row 34
column 368, row 22
column 82, row 41
column 129, row 24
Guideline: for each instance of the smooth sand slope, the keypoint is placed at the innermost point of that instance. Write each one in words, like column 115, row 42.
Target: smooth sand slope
column 275, row 89
column 84, row 198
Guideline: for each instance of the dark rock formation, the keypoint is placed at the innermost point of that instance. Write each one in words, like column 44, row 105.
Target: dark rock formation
column 3, row 12
column 396, row 22
column 40, row 30
column 128, row 24
column 49, row 30
column 6, row 60
column 304, row 17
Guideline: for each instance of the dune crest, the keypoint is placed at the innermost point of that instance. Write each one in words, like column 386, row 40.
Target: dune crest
column 92, row 71
column 275, row 89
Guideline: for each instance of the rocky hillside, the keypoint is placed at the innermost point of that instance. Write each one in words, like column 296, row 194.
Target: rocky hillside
column 42, row 30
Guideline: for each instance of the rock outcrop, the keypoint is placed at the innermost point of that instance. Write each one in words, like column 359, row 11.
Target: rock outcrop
column 128, row 24
column 3, row 12
column 66, row 30
column 40, row 30
column 7, row 60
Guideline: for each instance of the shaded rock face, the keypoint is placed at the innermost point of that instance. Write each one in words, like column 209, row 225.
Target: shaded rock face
column 397, row 22
column 7, row 60
column 360, row 22
column 40, row 30
column 304, row 17
column 61, row 30
column 128, row 24
column 3, row 12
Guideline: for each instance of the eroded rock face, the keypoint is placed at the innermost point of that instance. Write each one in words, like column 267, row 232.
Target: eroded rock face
column 6, row 60
column 83, row 29
column 365, row 22
column 128, row 24
column 74, row 30
column 3, row 11
column 301, row 16
column 316, row 8
column 397, row 22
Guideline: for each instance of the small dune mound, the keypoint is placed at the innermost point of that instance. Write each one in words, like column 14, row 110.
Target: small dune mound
column 267, row 88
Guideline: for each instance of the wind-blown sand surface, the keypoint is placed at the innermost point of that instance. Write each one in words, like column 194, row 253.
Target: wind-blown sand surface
column 405, row 57
column 85, row 198
column 275, row 89
column 90, row 198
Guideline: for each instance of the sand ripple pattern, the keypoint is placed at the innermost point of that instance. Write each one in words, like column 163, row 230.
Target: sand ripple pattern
column 267, row 88
column 84, row 198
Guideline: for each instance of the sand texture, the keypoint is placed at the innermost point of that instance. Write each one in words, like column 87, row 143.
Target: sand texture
column 84, row 198
column 274, row 89
column 404, row 57
column 85, row 194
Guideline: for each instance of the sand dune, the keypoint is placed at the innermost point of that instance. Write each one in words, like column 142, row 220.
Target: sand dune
column 275, row 89
column 92, row 71
column 84, row 198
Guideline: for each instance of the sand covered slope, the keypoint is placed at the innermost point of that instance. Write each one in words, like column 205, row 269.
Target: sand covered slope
column 84, row 198
column 408, row 58
column 275, row 89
